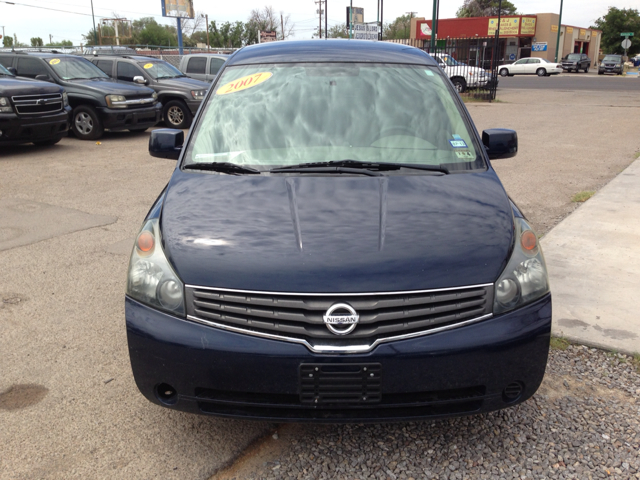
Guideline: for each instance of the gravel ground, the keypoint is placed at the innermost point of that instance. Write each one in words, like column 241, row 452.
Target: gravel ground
column 583, row 423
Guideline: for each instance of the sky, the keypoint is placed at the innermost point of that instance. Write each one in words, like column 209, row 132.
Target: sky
column 41, row 20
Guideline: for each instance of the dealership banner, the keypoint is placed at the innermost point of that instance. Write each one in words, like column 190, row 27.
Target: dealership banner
column 508, row 26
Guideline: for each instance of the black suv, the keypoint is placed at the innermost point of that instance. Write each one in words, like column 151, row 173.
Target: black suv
column 577, row 62
column 98, row 102
column 31, row 111
column 180, row 95
column 611, row 64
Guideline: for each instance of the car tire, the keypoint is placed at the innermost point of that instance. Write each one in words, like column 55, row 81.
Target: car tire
column 600, row 73
column 47, row 143
column 504, row 72
column 541, row 72
column 176, row 114
column 85, row 123
column 586, row 70
column 459, row 84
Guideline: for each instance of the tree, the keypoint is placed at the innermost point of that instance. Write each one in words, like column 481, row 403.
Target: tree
column 36, row 42
column 227, row 35
column 339, row 31
column 16, row 43
column 63, row 43
column 7, row 42
column 399, row 28
column 615, row 22
column 192, row 25
column 485, row 8
column 146, row 31
column 266, row 19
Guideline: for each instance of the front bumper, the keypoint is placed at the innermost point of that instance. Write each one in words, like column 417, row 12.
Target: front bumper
column 616, row 70
column 457, row 372
column 126, row 118
column 26, row 129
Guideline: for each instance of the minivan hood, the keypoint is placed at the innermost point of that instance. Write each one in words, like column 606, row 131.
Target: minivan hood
column 336, row 234
column 10, row 86
column 108, row 86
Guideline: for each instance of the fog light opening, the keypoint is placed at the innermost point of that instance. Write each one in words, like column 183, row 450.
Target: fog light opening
column 512, row 392
column 166, row 394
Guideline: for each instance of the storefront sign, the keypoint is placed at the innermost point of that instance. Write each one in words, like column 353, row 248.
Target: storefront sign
column 583, row 32
column 554, row 28
column 539, row 47
column 528, row 26
column 509, row 27
column 569, row 30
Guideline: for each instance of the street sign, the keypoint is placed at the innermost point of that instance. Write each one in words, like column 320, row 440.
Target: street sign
column 512, row 57
column 626, row 43
column 539, row 47
column 363, row 31
column 627, row 34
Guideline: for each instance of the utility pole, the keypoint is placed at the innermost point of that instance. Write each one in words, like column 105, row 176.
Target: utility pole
column 50, row 39
column 559, row 26
column 320, row 12
column 95, row 33
column 206, row 19
column 350, row 19
column 326, row 27
column 381, row 15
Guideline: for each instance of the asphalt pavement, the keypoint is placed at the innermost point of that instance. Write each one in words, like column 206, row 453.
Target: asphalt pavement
column 572, row 81
column 69, row 407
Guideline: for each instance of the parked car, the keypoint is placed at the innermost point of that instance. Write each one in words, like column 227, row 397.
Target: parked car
column 531, row 66
column 335, row 246
column 611, row 64
column 202, row 66
column 180, row 95
column 31, row 111
column 461, row 75
column 577, row 62
column 98, row 102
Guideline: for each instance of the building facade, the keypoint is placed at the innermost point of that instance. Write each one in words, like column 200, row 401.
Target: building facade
column 521, row 36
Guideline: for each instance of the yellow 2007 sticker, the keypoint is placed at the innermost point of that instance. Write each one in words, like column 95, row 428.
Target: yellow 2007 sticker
column 147, row 66
column 54, row 61
column 243, row 83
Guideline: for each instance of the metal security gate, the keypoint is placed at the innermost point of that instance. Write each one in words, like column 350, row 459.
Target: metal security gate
column 470, row 63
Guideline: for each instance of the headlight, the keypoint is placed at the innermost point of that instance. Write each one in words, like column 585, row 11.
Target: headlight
column 116, row 101
column 154, row 96
column 198, row 94
column 5, row 106
column 65, row 99
column 151, row 279
column 525, row 278
column 617, row 65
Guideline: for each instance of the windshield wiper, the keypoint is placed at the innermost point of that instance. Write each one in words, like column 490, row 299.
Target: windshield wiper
column 224, row 167
column 356, row 164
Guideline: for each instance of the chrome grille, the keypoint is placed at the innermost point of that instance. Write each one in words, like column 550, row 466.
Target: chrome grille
column 299, row 317
column 37, row 104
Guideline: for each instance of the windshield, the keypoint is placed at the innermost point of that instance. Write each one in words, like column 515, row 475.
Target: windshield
column 612, row 58
column 4, row 71
column 160, row 69
column 73, row 68
column 450, row 61
column 286, row 114
column 574, row 56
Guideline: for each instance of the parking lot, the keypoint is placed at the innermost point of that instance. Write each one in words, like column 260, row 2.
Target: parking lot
column 69, row 407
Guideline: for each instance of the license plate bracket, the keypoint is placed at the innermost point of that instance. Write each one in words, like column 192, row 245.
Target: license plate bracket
column 348, row 384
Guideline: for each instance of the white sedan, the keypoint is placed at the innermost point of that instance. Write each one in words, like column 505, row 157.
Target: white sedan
column 530, row 66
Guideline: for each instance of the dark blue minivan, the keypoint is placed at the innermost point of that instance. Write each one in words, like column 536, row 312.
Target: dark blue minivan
column 334, row 246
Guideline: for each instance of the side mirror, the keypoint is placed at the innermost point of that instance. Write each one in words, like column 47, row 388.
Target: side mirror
column 44, row 78
column 12, row 70
column 139, row 79
column 500, row 143
column 166, row 143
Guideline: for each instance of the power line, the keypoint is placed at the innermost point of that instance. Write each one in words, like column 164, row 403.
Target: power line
column 46, row 8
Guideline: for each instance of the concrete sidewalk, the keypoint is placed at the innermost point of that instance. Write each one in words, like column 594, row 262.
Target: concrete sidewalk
column 593, row 258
